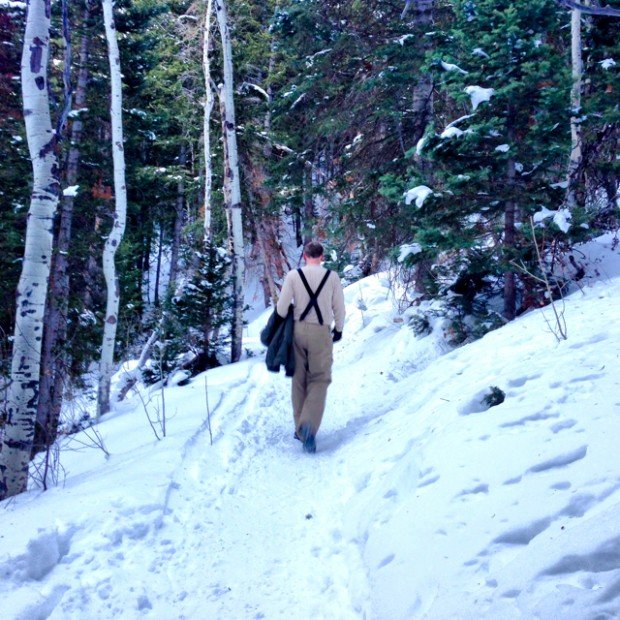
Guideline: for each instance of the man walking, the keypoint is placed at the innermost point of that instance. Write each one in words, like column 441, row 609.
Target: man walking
column 318, row 301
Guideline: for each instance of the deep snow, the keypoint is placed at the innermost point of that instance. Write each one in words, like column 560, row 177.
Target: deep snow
column 421, row 502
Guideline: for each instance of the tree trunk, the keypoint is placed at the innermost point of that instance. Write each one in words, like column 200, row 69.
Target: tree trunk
column 307, row 218
column 265, row 227
column 178, row 220
column 160, row 252
column 54, row 362
column 132, row 377
column 423, row 88
column 118, row 227
column 231, row 176
column 265, row 224
column 574, row 165
column 33, row 283
column 145, row 254
column 208, row 108
column 510, row 211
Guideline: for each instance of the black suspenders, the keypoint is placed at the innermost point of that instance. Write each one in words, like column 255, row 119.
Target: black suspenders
column 313, row 296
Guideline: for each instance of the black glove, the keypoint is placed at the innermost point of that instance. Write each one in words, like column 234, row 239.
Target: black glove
column 336, row 335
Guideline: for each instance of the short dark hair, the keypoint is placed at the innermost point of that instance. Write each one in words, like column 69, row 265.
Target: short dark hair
column 313, row 249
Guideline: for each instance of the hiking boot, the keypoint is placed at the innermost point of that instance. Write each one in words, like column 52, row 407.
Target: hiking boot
column 307, row 438
column 296, row 436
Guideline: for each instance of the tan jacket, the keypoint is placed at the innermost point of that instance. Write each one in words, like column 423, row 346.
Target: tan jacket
column 330, row 300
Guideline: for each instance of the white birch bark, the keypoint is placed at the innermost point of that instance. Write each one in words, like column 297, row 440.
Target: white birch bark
column 106, row 365
column 55, row 355
column 33, row 283
column 575, row 101
column 231, row 174
column 208, row 108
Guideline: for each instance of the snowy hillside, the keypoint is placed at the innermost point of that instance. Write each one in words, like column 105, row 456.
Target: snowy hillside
column 421, row 502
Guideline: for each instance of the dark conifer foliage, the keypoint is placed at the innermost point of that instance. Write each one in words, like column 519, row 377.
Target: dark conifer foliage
column 498, row 151
column 431, row 135
column 15, row 168
column 599, row 176
column 194, row 334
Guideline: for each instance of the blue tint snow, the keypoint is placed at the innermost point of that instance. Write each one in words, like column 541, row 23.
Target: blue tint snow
column 420, row 503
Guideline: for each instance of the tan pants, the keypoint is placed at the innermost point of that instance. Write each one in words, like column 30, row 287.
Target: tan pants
column 313, row 373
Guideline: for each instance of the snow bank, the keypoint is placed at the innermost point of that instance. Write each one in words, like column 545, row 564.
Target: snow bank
column 422, row 502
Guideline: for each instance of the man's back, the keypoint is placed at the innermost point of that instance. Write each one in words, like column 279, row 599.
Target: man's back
column 330, row 299
column 318, row 301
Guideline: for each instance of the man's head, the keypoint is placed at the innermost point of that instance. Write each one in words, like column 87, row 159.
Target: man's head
column 313, row 252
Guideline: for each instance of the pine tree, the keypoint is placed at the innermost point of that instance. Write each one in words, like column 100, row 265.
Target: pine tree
column 497, row 154
column 194, row 335
column 352, row 100
column 598, row 179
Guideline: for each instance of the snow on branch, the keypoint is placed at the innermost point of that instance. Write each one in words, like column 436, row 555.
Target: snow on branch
column 561, row 218
column 590, row 10
column 479, row 94
column 419, row 194
column 262, row 92
column 452, row 130
column 408, row 249
column 71, row 192
column 448, row 66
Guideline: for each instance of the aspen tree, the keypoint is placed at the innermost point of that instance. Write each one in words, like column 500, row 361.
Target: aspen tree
column 55, row 355
column 33, row 284
column 208, row 108
column 231, row 181
column 115, row 237
column 575, row 126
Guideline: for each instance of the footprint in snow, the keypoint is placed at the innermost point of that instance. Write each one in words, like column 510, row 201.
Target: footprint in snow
column 425, row 482
column 562, row 460
column 561, row 426
column 481, row 488
column 386, row 560
column 535, row 417
column 521, row 381
column 523, row 535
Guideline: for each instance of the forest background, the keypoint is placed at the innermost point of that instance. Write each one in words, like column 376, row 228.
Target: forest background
column 465, row 145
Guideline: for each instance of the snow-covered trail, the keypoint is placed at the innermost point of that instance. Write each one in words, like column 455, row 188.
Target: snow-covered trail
column 253, row 499
column 421, row 502
column 256, row 501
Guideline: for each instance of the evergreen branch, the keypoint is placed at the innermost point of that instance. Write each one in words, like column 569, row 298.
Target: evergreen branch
column 590, row 10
